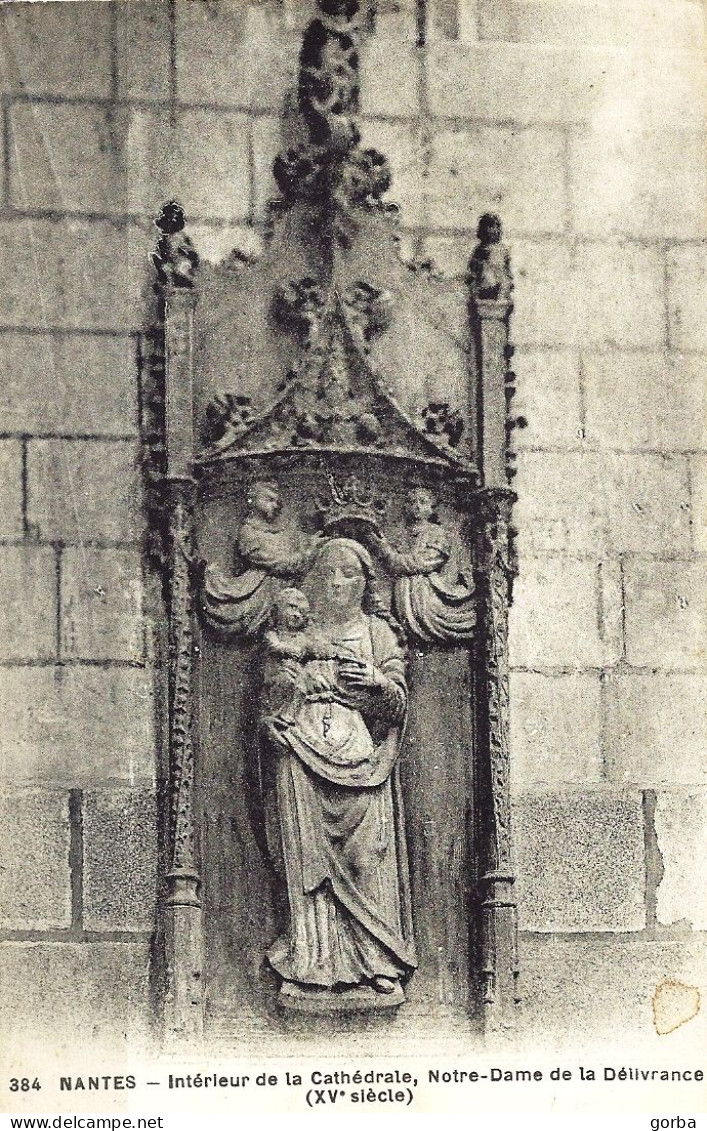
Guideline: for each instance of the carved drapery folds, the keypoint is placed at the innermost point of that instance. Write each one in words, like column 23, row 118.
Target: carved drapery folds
column 272, row 553
column 288, row 412
column 433, row 593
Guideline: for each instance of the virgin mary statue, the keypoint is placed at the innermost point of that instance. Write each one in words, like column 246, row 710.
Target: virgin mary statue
column 335, row 745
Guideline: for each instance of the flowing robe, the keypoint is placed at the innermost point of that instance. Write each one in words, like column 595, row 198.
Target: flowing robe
column 340, row 823
column 271, row 553
column 434, row 597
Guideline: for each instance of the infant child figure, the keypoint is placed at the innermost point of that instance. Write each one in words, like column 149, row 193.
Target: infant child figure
column 289, row 648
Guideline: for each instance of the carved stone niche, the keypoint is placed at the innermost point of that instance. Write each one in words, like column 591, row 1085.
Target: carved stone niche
column 329, row 472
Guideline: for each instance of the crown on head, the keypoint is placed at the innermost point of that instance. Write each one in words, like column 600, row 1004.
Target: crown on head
column 349, row 500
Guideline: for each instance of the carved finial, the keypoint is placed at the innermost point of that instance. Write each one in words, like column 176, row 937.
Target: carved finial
column 176, row 259
column 329, row 91
column 331, row 170
column 489, row 275
column 171, row 219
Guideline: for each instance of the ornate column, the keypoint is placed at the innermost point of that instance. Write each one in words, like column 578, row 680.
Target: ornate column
column 499, row 931
column 490, row 307
column 176, row 262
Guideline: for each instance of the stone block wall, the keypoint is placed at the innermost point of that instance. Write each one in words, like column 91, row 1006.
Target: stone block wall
column 582, row 123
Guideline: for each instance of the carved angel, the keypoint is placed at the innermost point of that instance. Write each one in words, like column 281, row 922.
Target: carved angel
column 434, row 590
column 271, row 551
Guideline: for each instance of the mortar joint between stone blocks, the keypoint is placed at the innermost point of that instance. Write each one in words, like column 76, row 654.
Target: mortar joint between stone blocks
column 582, row 388
column 173, row 87
column 623, row 659
column 70, row 935
column 58, row 552
column 252, row 176
column 603, row 724
column 76, row 859
column 666, row 296
column 68, row 331
column 689, row 477
column 24, row 488
column 64, row 662
column 72, row 437
column 568, row 218
column 7, row 158
column 601, row 611
column 113, row 42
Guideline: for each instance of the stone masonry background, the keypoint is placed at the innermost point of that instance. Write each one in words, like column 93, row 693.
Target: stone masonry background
column 583, row 124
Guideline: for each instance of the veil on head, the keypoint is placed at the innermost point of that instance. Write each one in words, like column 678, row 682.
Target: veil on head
column 373, row 603
column 354, row 547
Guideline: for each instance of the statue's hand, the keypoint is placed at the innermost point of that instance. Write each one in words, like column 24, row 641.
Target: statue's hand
column 360, row 676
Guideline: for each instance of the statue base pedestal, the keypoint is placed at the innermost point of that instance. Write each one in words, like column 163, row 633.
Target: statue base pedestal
column 358, row 999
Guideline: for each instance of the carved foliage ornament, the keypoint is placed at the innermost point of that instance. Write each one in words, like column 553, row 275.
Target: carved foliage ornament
column 301, row 305
column 335, row 398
